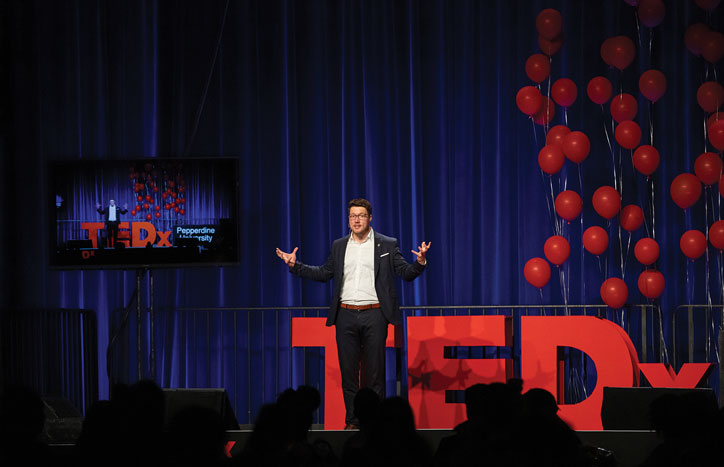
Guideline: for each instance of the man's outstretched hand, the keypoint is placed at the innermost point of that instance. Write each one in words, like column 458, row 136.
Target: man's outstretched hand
column 289, row 258
column 420, row 253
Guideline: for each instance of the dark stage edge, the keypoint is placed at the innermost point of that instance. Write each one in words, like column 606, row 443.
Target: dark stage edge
column 629, row 446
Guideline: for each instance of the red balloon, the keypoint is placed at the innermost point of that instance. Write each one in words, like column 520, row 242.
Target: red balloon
column 176, row 209
column 182, row 211
column 685, row 190
column 710, row 96
column 546, row 113
column 164, row 195
column 708, row 168
column 624, row 107
column 158, row 207
column 595, row 240
column 551, row 159
column 694, row 37
column 713, row 118
column 628, row 134
column 693, row 244
column 139, row 198
column 716, row 235
column 133, row 212
column 716, row 134
column 155, row 189
column 651, row 283
column 712, row 46
column 145, row 205
column 549, row 23
column 614, row 292
column 556, row 135
column 148, row 198
column 538, row 67
column 646, row 251
column 158, row 215
column 646, row 159
column 606, row 201
column 148, row 217
column 618, row 51
column 557, row 249
column 564, row 92
column 707, row 5
column 138, row 207
column 631, row 217
column 652, row 84
column 529, row 100
column 537, row 272
column 167, row 206
column 550, row 47
column 568, row 204
column 171, row 183
column 599, row 90
column 651, row 12
column 576, row 146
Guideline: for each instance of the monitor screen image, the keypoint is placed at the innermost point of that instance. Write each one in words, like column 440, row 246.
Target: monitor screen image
column 149, row 212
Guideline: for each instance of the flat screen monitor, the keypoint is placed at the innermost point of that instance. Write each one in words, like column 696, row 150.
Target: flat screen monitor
column 146, row 212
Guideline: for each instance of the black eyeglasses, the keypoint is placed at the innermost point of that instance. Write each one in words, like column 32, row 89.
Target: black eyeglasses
column 358, row 216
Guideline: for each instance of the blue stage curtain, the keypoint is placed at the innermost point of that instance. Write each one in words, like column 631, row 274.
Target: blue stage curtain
column 410, row 104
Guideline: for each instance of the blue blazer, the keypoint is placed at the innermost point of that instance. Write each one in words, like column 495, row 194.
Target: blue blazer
column 388, row 261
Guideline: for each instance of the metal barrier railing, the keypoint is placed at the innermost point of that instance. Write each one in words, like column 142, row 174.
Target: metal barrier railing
column 711, row 318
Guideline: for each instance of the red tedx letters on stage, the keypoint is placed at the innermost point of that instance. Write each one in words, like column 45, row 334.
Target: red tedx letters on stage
column 542, row 340
column 431, row 374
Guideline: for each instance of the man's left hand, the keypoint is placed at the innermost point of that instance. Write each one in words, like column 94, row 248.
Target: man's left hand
column 420, row 253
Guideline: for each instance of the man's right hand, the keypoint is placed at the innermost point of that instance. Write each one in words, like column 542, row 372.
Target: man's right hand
column 98, row 205
column 289, row 258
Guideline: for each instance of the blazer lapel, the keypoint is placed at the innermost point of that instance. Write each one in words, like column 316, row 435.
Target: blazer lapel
column 378, row 249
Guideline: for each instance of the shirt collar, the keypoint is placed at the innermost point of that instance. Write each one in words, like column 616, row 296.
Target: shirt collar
column 370, row 236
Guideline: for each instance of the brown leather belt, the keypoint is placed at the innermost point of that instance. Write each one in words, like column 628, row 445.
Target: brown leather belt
column 359, row 307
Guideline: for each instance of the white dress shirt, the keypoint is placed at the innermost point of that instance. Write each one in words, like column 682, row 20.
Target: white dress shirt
column 112, row 213
column 358, row 283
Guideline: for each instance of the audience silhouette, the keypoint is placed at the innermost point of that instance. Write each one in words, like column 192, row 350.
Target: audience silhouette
column 504, row 427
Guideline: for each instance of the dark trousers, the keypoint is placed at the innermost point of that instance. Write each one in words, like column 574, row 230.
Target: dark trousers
column 111, row 233
column 361, row 337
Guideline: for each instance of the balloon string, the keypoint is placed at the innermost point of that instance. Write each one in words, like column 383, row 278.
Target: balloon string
column 562, row 277
column 651, row 123
column 565, row 115
column 535, row 133
column 620, row 247
column 653, row 210
column 553, row 198
column 583, row 256
column 619, row 161
column 551, row 213
column 628, row 249
column 662, row 340
column 721, row 278
column 638, row 27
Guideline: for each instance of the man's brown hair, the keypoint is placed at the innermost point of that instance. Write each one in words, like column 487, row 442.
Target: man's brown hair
column 360, row 202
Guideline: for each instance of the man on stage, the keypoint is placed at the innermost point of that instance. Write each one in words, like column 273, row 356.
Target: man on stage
column 365, row 300
column 113, row 218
